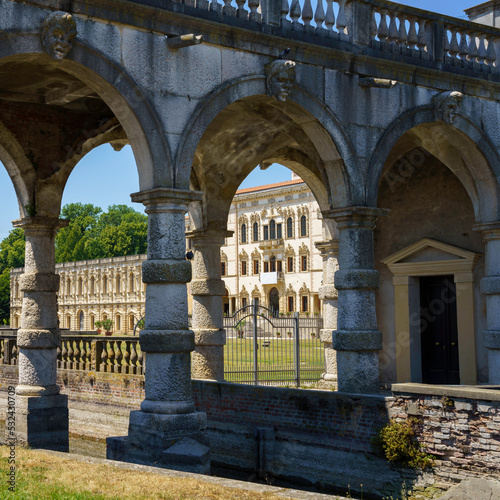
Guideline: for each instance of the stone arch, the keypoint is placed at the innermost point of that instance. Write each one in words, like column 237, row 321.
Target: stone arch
column 463, row 148
column 337, row 184
column 119, row 92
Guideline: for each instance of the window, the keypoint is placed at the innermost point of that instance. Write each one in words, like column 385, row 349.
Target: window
column 81, row 320
column 272, row 230
column 92, row 285
column 255, row 231
column 244, row 302
column 223, row 268
column 80, row 286
column 303, row 263
column 266, row 267
column 118, row 322
column 243, row 233
column 105, row 285
column 131, row 322
column 273, row 264
column 290, row 304
column 303, row 226
column 118, row 284
column 92, row 322
column 243, row 267
column 256, row 267
column 279, row 232
column 131, row 282
column 68, row 322
column 304, row 303
column 68, row 287
column 289, row 228
column 266, row 232
column 290, row 264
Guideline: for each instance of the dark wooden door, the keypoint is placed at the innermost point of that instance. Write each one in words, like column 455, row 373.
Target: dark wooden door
column 439, row 332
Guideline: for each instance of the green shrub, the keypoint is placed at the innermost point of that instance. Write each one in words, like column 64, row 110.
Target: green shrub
column 399, row 444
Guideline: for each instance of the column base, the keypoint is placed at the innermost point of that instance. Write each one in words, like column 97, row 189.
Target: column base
column 170, row 441
column 41, row 422
column 358, row 372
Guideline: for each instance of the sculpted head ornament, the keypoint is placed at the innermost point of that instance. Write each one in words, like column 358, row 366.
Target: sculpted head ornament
column 280, row 77
column 59, row 29
column 447, row 106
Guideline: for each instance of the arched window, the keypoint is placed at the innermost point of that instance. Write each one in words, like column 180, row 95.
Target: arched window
column 303, row 226
column 118, row 284
column 92, row 287
column 118, row 322
column 272, row 230
column 255, row 231
column 92, row 322
column 68, row 322
column 81, row 320
column 243, row 233
column 80, row 286
column 289, row 228
column 105, row 284
column 131, row 282
column 68, row 286
column 272, row 262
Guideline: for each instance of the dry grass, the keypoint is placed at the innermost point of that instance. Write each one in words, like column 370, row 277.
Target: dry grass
column 43, row 476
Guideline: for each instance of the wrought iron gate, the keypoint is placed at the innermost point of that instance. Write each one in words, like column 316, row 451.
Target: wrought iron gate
column 263, row 349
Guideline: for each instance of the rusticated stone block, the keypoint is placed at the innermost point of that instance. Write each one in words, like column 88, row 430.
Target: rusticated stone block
column 490, row 285
column 38, row 339
column 166, row 340
column 39, row 282
column 210, row 286
column 328, row 292
column 357, row 279
column 357, row 340
column 166, row 271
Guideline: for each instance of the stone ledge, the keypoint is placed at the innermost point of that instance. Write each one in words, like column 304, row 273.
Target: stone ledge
column 357, row 279
column 465, row 392
column 166, row 271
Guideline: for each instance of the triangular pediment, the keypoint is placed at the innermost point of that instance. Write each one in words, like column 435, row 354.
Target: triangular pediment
column 427, row 251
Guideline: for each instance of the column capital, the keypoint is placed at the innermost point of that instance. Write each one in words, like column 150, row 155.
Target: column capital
column 166, row 199
column 356, row 217
column 40, row 224
column 490, row 230
column 328, row 247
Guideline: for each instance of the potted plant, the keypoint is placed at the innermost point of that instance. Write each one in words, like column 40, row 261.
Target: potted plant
column 307, row 314
column 98, row 325
column 289, row 334
column 240, row 332
column 278, row 334
column 316, row 314
column 107, row 324
column 313, row 335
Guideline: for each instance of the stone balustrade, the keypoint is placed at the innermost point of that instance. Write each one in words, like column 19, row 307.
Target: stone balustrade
column 87, row 353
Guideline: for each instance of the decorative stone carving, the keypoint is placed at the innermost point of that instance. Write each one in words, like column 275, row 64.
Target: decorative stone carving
column 447, row 106
column 280, row 77
column 59, row 29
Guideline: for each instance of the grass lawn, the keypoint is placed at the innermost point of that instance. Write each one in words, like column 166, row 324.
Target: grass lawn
column 41, row 476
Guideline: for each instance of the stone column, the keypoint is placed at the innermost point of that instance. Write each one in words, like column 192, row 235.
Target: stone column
column 167, row 431
column 490, row 288
column 207, row 289
column 357, row 339
column 41, row 412
column 329, row 295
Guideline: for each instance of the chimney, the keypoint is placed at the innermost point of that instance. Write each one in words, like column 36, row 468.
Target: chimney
column 485, row 13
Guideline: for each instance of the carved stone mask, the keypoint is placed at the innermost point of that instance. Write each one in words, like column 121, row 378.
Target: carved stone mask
column 447, row 106
column 280, row 77
column 59, row 29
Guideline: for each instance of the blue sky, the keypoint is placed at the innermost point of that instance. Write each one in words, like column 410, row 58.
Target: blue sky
column 106, row 177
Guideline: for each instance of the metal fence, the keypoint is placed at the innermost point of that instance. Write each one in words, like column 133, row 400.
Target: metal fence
column 265, row 350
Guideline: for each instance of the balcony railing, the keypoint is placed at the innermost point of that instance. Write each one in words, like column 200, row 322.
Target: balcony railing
column 272, row 243
column 271, row 278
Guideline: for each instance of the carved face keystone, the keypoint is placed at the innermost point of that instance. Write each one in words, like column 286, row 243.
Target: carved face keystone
column 59, row 29
column 447, row 106
column 280, row 77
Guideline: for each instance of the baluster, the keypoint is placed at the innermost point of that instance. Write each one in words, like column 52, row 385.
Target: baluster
column 454, row 48
column 491, row 55
column 319, row 15
column 473, row 51
column 241, row 11
column 126, row 357
column 422, row 35
column 76, row 363
column 330, row 15
column 215, row 6
column 383, row 30
column 118, row 356
column 70, row 355
column 341, row 18
column 446, row 43
column 464, row 48
column 284, row 10
column 228, row 9
column 295, row 11
column 412, row 33
column 111, row 356
column 307, row 13
column 13, row 358
column 89, row 355
column 140, row 369
column 373, row 25
column 133, row 358
column 393, row 29
column 481, row 51
column 200, row 4
column 254, row 14
column 402, row 33
column 64, row 355
column 104, row 356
